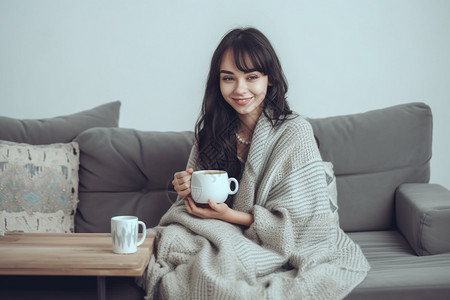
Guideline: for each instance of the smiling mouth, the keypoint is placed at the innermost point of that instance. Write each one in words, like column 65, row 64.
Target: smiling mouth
column 242, row 101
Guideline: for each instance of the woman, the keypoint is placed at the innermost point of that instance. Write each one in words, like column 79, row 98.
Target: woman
column 277, row 238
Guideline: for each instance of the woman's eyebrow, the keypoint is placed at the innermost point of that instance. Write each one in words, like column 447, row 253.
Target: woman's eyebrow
column 231, row 73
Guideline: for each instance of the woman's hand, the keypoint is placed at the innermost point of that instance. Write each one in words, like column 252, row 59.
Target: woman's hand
column 219, row 211
column 182, row 182
column 213, row 211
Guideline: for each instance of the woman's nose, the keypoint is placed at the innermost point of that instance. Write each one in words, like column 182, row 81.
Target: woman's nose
column 241, row 87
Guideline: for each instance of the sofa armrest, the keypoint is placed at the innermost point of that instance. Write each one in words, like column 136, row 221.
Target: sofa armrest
column 423, row 217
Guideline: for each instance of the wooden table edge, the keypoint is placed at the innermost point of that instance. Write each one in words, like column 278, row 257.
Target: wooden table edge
column 109, row 272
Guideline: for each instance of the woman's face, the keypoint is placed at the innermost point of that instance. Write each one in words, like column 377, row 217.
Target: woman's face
column 245, row 92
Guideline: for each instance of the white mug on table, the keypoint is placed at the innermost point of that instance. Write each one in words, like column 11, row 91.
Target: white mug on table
column 124, row 234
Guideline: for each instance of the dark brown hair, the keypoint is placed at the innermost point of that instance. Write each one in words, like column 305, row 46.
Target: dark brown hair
column 217, row 123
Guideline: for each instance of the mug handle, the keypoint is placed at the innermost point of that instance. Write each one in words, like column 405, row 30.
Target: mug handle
column 144, row 233
column 236, row 185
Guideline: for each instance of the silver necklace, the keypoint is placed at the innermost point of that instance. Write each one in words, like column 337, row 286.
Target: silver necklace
column 241, row 140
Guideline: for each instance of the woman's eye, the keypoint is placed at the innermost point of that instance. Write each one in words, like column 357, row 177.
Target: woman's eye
column 226, row 78
column 252, row 77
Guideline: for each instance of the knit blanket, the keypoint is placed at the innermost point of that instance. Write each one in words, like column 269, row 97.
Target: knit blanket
column 293, row 250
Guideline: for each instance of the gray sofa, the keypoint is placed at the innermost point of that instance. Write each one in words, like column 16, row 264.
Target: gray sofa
column 382, row 164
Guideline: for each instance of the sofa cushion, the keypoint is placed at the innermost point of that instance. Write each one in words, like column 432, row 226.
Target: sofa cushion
column 373, row 153
column 127, row 172
column 61, row 129
column 396, row 272
column 38, row 187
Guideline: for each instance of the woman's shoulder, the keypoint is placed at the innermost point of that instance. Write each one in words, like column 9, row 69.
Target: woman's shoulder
column 292, row 142
column 295, row 125
column 296, row 134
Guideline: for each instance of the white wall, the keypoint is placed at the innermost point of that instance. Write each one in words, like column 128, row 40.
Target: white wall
column 59, row 57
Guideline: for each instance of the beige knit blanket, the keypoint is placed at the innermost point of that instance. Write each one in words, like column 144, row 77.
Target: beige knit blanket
column 293, row 250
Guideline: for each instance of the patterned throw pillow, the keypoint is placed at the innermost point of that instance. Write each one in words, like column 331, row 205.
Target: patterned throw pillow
column 332, row 189
column 38, row 187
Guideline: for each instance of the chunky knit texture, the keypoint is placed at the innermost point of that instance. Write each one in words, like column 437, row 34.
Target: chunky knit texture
column 293, row 250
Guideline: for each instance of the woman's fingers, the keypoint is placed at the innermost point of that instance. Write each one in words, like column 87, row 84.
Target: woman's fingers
column 211, row 210
column 182, row 182
column 193, row 209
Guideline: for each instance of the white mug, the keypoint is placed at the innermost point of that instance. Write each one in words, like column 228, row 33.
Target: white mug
column 124, row 234
column 212, row 184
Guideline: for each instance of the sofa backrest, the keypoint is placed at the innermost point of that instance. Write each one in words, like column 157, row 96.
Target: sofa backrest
column 373, row 153
column 127, row 172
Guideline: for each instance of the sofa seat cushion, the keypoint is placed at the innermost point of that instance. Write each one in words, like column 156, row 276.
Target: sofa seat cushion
column 396, row 272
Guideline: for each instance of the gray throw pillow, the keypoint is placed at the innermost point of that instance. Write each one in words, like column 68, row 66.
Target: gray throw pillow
column 61, row 129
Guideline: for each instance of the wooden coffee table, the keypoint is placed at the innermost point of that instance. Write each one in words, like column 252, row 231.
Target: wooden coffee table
column 73, row 254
